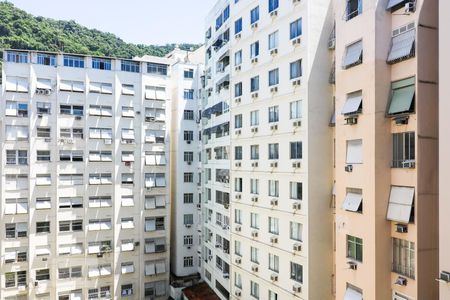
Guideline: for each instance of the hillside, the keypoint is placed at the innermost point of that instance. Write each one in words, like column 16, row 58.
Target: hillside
column 20, row 30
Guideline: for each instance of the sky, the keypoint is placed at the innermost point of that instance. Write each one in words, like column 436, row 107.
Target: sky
column 134, row 21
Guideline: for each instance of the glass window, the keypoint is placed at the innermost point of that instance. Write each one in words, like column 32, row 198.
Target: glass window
column 254, row 84
column 254, row 49
column 46, row 59
column 254, row 118
column 273, row 223
column 403, row 150
column 296, row 190
column 238, row 58
column 17, row 57
column 403, row 257
column 238, row 121
column 354, row 248
column 254, row 289
column 295, row 109
column 295, row 232
column 296, row 150
column 238, row 89
column 130, row 66
column 274, row 77
column 189, row 73
column 296, row 29
column 238, row 26
column 254, row 152
column 158, row 69
column 238, row 153
column 296, row 272
column 254, row 15
column 353, row 9
column 73, row 61
column 273, row 5
column 273, row 151
column 296, row 69
column 101, row 63
column 273, row 40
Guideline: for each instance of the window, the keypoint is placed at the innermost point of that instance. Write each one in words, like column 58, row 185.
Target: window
column 254, row 220
column 69, row 202
column 99, row 224
column 100, row 156
column 43, row 108
column 238, row 89
column 16, row 109
column 43, row 203
column 16, row 133
column 238, row 26
column 155, row 93
column 254, row 253
column 189, row 73
column 189, row 94
column 65, row 155
column 354, row 8
column 73, row 61
column 273, row 40
column 71, row 225
column 130, row 66
column 154, row 223
column 295, row 109
column 127, row 136
column 17, row 57
column 295, row 232
column 13, row 255
column 188, row 177
column 401, row 204
column 274, row 77
column 238, row 58
column 188, row 156
column 273, row 225
column 274, row 188
column 274, row 262
column 74, row 110
column 15, row 182
column 154, row 267
column 100, row 110
column 76, row 133
column 354, row 248
column 254, row 186
column 70, row 179
column 16, row 206
column 274, row 114
column 43, row 179
column 16, row 230
column 188, row 115
column 254, row 84
column 353, row 200
column 43, row 132
column 237, row 280
column 403, row 44
column 188, row 219
column 254, row 152
column 296, row 190
column 188, row 135
column 254, row 15
column 127, row 156
column 295, row 29
column 296, row 272
column 188, row 198
column 16, row 84
column 273, row 295
column 254, row 289
column 188, row 261
column 71, row 86
column 354, row 152
column 254, row 49
column 70, row 272
column 353, row 55
column 127, row 178
column 238, row 121
column 17, row 157
column 46, row 59
column 254, row 118
column 157, row 69
column 43, row 227
column 273, row 5
column 403, row 150
column 296, row 150
column 188, row 240
column 295, row 69
column 100, row 178
column 101, row 63
column 403, row 257
column 402, row 97
column 238, row 153
column 13, row 279
column 126, row 289
column 100, row 133
column 273, row 151
column 353, row 105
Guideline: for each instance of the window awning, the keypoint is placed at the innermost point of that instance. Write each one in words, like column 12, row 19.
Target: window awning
column 402, row 46
column 150, row 269
column 127, row 246
column 161, row 94
column 128, row 89
column 351, row 294
column 353, row 104
column 107, row 88
column 400, row 204
column 95, row 87
column 352, row 202
column 44, row 84
column 353, row 54
column 403, row 93
column 150, row 94
column 393, row 3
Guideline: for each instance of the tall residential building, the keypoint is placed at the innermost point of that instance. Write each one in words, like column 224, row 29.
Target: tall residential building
column 216, row 151
column 84, row 210
column 185, row 163
column 444, row 149
column 386, row 149
column 281, row 156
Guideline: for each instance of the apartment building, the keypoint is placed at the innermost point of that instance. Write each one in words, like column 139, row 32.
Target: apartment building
column 444, row 148
column 281, row 155
column 386, row 149
column 85, row 211
column 216, row 151
column 185, row 157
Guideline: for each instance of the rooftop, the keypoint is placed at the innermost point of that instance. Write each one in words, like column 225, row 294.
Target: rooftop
column 200, row 291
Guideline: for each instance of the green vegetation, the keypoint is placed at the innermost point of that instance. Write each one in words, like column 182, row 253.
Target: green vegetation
column 20, row 30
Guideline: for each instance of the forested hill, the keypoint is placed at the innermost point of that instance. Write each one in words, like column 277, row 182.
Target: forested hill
column 20, row 30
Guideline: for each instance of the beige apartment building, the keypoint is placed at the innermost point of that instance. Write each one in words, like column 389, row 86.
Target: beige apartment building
column 386, row 149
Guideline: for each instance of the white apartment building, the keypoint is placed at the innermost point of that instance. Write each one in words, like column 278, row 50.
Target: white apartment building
column 185, row 157
column 216, row 151
column 281, row 158
column 84, row 206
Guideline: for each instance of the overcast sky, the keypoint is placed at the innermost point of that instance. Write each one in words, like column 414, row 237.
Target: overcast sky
column 135, row 21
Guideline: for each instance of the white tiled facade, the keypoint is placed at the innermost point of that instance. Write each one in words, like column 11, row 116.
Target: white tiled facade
column 85, row 211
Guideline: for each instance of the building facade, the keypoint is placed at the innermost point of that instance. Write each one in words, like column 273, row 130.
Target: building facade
column 85, row 211
column 386, row 149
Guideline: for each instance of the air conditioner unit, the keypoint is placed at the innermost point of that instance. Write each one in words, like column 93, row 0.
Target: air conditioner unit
column 297, row 247
column 210, row 257
column 255, row 165
column 254, row 268
column 409, row 164
column 274, row 277
column 238, row 260
column 254, row 60
column 237, row 100
column 237, row 293
column 69, row 141
column 297, row 288
column 128, row 164
column 44, row 259
column 108, row 141
column 149, row 119
column 254, row 95
column 401, row 281
column 78, row 118
column 296, row 82
column 254, row 25
column 40, row 116
column 218, row 246
column 238, row 228
column 274, row 89
column 352, row 265
column 401, row 228
column 226, row 275
column 351, row 120
column 189, row 162
column 254, row 129
column 237, row 132
column 296, row 206
column 238, row 196
column 296, row 165
column 237, row 36
column 274, row 165
column 402, row 120
column 296, row 41
column 274, row 239
column 297, row 123
column 410, row 7
column 136, row 244
column 188, row 141
column 237, row 68
column 274, row 127
column 255, row 233
column 274, row 52
column 349, row 168
column 199, row 206
column 255, row 199
column 444, row 276
column 238, row 164
column 47, row 140
column 332, row 44
column 225, row 227
column 226, row 205
column 274, row 202
column 188, row 225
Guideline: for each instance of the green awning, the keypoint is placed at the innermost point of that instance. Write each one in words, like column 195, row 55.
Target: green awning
column 403, row 92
